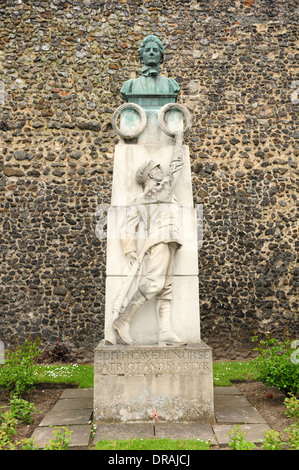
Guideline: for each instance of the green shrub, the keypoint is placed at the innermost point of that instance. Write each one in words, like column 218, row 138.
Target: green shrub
column 292, row 411
column 293, row 436
column 8, row 434
column 273, row 440
column 28, row 444
column 274, row 365
column 22, row 409
column 61, row 440
column 237, row 440
column 292, row 407
column 17, row 373
column 8, row 425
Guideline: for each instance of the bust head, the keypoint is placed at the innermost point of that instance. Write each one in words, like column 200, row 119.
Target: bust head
column 151, row 51
column 151, row 54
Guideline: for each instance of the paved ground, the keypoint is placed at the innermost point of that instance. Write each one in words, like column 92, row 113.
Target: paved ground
column 75, row 407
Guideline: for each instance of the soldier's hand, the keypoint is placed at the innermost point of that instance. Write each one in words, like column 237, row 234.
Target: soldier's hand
column 131, row 257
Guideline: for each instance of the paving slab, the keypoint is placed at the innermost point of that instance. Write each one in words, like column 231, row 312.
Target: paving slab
column 230, row 400
column 73, row 404
column 203, row 432
column 123, row 431
column 162, row 430
column 77, row 393
column 65, row 417
column 232, row 390
column 238, row 415
column 79, row 438
column 253, row 432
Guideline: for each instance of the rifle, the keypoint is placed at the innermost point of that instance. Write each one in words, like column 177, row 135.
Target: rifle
column 118, row 304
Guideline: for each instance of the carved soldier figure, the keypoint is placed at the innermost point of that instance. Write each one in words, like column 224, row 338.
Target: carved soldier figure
column 155, row 214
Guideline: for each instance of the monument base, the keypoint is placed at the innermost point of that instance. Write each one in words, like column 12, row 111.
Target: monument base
column 133, row 382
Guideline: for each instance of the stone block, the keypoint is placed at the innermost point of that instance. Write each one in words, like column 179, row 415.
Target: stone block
column 77, row 393
column 231, row 390
column 65, row 417
column 73, row 404
column 226, row 400
column 185, row 316
column 117, row 431
column 239, row 414
column 127, row 160
column 133, row 382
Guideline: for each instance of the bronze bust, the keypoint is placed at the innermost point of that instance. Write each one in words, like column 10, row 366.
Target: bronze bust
column 151, row 53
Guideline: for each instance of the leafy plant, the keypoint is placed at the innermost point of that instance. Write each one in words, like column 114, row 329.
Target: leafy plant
column 61, row 441
column 272, row 440
column 274, row 366
column 22, row 409
column 17, row 372
column 8, row 431
column 8, row 424
column 237, row 440
column 293, row 436
column 292, row 407
column 292, row 411
column 28, row 444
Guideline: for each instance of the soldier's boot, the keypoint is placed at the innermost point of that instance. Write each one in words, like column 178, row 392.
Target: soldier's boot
column 166, row 335
column 122, row 323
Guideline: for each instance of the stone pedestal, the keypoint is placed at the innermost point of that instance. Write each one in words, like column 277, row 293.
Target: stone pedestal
column 133, row 382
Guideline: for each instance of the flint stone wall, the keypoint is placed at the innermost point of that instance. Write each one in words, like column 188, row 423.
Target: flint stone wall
column 62, row 64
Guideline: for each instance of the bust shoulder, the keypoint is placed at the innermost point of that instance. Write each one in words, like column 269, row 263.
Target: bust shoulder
column 173, row 84
column 152, row 85
column 126, row 88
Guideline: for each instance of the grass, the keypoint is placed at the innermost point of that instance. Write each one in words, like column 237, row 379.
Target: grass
column 153, row 444
column 82, row 375
column 224, row 373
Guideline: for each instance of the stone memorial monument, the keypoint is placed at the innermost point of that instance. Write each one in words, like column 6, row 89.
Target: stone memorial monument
column 152, row 357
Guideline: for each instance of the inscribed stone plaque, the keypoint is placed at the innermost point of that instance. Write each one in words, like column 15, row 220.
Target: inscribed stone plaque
column 127, row 361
